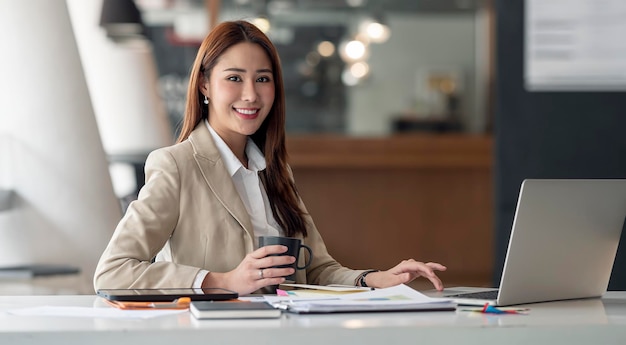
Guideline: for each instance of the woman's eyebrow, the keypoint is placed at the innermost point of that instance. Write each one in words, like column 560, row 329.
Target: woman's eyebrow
column 241, row 70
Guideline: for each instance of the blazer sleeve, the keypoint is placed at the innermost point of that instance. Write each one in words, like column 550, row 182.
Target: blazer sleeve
column 143, row 231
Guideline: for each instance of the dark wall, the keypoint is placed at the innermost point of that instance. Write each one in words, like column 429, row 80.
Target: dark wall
column 548, row 134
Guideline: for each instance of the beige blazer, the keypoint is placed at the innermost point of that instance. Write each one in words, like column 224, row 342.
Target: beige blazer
column 190, row 207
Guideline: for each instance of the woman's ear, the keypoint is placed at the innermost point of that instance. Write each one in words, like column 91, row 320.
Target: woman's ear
column 204, row 89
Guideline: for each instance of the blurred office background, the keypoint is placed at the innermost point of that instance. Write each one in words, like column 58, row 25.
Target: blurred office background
column 411, row 124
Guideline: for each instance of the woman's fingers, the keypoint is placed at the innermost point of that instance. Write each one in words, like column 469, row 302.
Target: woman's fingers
column 268, row 256
column 436, row 266
column 273, row 261
column 267, row 273
column 420, row 267
column 436, row 281
column 407, row 270
column 263, row 265
column 268, row 250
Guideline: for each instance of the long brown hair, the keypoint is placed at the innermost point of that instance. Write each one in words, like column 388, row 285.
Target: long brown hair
column 270, row 137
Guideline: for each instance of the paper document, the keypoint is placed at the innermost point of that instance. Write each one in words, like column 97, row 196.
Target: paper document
column 333, row 288
column 92, row 312
column 397, row 298
column 307, row 290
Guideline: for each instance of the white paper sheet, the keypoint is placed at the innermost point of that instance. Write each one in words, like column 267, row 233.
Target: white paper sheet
column 92, row 312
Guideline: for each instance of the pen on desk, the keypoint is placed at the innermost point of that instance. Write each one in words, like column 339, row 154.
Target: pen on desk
column 503, row 309
column 182, row 302
column 352, row 287
column 488, row 309
column 305, row 300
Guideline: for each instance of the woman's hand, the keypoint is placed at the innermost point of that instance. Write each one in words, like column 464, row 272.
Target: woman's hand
column 405, row 272
column 254, row 272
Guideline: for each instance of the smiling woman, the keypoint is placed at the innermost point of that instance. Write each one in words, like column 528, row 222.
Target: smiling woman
column 226, row 183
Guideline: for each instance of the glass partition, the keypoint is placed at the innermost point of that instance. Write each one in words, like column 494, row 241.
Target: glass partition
column 355, row 67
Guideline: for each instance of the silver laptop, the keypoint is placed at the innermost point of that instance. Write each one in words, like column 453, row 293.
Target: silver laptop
column 562, row 245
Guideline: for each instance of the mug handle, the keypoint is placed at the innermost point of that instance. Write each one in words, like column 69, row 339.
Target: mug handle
column 310, row 257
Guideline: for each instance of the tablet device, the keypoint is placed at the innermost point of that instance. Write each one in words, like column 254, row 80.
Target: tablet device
column 163, row 295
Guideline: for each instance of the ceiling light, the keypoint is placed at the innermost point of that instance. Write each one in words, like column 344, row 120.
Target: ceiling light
column 360, row 69
column 353, row 51
column 356, row 3
column 326, row 48
column 348, row 78
column 122, row 20
column 377, row 32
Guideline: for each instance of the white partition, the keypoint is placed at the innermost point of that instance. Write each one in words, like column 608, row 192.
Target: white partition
column 63, row 209
column 123, row 84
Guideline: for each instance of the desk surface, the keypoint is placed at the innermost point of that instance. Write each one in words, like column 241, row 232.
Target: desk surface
column 592, row 321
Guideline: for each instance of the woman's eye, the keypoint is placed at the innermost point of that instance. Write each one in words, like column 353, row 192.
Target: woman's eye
column 234, row 78
column 263, row 79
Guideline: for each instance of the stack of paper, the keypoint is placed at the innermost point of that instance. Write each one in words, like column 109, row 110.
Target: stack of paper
column 397, row 298
column 307, row 290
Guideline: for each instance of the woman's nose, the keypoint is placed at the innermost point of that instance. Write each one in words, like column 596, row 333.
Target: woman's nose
column 249, row 92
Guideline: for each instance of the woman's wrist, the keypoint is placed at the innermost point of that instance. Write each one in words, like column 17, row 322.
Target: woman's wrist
column 213, row 279
column 362, row 279
column 197, row 283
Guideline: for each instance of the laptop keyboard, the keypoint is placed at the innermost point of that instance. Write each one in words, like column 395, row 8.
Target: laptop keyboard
column 491, row 294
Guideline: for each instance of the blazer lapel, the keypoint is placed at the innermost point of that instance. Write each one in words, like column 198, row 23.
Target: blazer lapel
column 215, row 174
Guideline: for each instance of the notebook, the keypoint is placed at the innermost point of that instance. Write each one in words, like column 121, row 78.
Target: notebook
column 562, row 245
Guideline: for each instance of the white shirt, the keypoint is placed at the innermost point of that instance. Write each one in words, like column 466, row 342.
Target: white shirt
column 250, row 189
column 249, row 186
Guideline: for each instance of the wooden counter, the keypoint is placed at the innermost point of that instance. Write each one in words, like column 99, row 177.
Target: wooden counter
column 378, row 201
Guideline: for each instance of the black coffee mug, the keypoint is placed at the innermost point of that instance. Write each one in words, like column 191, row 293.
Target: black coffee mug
column 294, row 245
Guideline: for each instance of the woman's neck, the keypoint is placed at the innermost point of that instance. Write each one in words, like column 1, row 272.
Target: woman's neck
column 239, row 149
column 236, row 142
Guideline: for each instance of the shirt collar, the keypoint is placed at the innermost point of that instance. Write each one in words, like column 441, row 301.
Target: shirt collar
column 256, row 160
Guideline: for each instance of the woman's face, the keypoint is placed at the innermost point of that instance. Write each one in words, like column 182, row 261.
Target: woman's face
column 240, row 90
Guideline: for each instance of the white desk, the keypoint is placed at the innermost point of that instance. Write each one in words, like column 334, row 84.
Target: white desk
column 595, row 321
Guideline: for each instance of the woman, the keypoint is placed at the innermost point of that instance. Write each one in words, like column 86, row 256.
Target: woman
column 226, row 182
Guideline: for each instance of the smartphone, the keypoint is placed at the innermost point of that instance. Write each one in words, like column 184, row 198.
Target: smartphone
column 165, row 295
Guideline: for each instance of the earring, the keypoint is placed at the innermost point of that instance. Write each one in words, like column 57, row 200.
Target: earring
column 206, row 100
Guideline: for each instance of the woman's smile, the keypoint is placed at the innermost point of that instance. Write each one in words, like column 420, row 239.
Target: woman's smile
column 247, row 113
